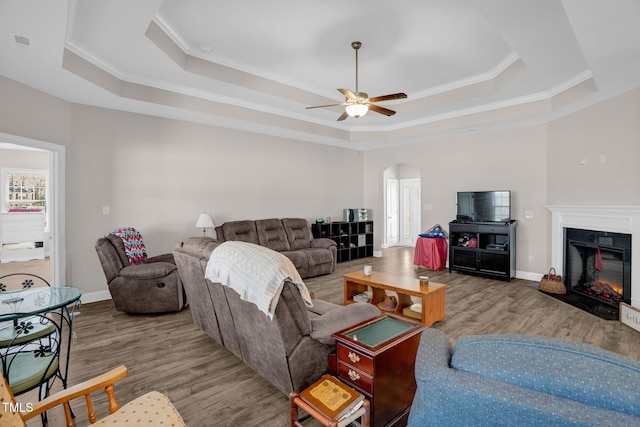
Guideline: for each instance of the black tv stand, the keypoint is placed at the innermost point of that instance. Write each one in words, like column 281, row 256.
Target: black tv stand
column 483, row 248
column 457, row 221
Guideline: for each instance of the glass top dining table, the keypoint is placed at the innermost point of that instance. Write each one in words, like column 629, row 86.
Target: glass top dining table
column 33, row 348
column 26, row 302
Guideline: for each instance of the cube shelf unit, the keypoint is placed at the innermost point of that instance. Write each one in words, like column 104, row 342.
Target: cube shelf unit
column 354, row 239
column 494, row 254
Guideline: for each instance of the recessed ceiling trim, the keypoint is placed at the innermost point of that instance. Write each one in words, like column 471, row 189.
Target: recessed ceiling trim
column 171, row 31
column 470, row 90
column 96, row 60
column 172, row 95
column 213, row 70
column 223, row 91
column 502, row 66
column 572, row 82
column 548, row 95
column 165, row 26
column 179, row 97
column 86, row 69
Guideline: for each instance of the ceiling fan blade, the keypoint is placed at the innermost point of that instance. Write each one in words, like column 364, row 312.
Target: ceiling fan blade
column 328, row 105
column 347, row 93
column 399, row 95
column 381, row 110
column 343, row 116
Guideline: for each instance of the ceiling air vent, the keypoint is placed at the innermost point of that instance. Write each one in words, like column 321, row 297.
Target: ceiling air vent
column 22, row 40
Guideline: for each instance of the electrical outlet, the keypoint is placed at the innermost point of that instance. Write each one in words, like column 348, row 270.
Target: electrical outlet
column 531, row 258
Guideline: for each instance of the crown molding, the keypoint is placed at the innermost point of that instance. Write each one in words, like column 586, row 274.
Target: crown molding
column 83, row 52
column 171, row 31
column 269, row 119
column 492, row 74
column 154, row 90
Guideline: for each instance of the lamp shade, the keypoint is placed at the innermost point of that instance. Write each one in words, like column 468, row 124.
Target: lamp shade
column 205, row 220
column 357, row 110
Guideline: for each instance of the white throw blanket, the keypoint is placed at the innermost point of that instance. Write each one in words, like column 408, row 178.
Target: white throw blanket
column 256, row 273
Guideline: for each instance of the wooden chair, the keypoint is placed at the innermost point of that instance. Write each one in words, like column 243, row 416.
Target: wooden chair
column 153, row 408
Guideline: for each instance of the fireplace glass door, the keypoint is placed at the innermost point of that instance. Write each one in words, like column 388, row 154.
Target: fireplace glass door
column 598, row 265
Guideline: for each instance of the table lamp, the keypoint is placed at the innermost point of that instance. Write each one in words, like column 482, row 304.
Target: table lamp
column 205, row 221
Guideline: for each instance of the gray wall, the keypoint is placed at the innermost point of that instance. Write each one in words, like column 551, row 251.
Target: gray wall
column 512, row 159
column 159, row 174
column 607, row 137
column 541, row 164
column 24, row 159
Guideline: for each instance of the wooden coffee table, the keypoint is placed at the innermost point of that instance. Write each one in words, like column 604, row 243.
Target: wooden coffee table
column 431, row 297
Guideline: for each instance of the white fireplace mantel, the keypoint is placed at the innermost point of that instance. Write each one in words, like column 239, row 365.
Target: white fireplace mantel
column 616, row 219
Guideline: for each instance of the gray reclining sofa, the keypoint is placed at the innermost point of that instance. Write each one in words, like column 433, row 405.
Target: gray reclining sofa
column 291, row 351
column 291, row 237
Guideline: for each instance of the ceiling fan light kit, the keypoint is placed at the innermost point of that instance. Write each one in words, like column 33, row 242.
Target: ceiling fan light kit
column 357, row 103
column 356, row 110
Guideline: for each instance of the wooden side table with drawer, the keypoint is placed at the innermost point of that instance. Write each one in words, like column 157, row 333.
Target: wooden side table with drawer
column 377, row 358
column 296, row 402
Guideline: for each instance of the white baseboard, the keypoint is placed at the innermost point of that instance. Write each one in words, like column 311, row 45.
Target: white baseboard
column 95, row 297
column 527, row 275
column 377, row 254
column 105, row 295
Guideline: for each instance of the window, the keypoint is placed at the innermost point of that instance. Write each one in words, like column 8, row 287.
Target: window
column 24, row 189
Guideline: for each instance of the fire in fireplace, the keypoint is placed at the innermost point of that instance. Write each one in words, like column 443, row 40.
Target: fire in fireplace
column 598, row 265
column 595, row 271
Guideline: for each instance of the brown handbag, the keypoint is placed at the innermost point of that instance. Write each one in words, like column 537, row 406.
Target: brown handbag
column 552, row 283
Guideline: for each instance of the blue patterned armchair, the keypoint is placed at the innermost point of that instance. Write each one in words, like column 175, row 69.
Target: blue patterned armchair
column 522, row 380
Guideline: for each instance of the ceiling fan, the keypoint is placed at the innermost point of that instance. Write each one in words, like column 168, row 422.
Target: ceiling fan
column 357, row 104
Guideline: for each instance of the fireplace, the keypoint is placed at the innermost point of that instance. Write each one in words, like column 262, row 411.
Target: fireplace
column 604, row 247
column 598, row 265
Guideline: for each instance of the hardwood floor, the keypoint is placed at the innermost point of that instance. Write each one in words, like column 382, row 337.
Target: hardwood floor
column 211, row 387
column 39, row 267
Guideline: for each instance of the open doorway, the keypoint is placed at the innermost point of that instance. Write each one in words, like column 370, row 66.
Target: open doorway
column 54, row 165
column 402, row 186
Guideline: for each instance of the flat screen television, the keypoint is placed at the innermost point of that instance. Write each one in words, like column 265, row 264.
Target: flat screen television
column 484, row 206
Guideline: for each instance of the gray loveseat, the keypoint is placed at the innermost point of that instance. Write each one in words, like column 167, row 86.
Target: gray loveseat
column 290, row 236
column 290, row 351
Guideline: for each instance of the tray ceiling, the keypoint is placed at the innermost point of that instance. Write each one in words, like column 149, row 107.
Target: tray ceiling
column 466, row 66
